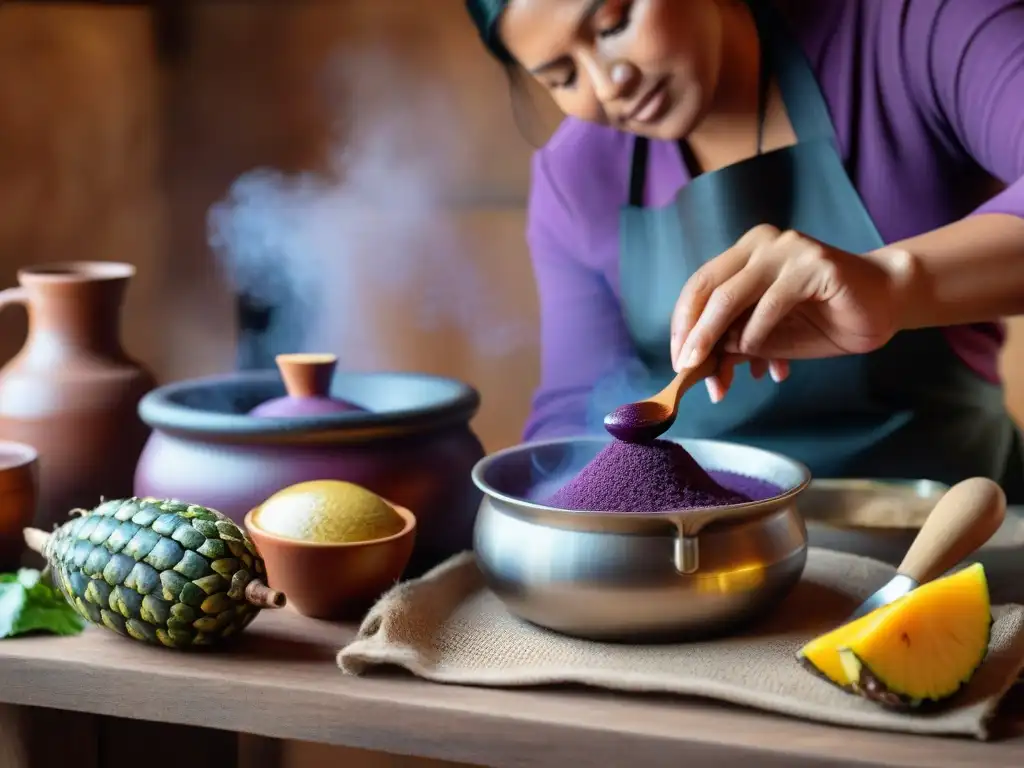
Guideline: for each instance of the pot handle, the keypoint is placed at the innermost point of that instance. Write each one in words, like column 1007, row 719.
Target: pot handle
column 13, row 296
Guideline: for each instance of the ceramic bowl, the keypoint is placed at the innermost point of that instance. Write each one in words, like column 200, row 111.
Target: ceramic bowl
column 19, row 467
column 334, row 581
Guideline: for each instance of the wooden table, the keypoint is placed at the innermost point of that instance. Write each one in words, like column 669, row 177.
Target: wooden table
column 281, row 682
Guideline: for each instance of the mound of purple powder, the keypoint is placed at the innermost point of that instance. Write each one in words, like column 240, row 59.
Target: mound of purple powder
column 651, row 477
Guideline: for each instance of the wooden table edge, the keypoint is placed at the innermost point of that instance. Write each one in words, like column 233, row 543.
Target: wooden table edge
column 374, row 714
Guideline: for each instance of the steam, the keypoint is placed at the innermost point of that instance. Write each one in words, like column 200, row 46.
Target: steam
column 329, row 249
column 626, row 383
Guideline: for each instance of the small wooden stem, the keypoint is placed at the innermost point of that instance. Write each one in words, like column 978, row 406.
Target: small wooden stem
column 36, row 539
column 259, row 594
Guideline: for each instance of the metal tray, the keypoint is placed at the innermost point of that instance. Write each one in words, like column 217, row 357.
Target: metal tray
column 871, row 504
column 881, row 518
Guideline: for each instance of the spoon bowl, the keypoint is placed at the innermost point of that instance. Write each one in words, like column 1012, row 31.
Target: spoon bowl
column 646, row 420
column 639, row 422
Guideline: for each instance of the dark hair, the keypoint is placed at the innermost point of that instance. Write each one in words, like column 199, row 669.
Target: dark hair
column 485, row 15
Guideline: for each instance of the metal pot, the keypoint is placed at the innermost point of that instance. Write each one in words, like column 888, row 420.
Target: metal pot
column 412, row 445
column 633, row 576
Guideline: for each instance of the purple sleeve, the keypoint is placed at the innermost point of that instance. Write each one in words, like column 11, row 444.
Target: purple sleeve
column 965, row 61
column 583, row 335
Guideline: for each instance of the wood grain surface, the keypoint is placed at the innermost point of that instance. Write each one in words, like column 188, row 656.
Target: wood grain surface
column 281, row 681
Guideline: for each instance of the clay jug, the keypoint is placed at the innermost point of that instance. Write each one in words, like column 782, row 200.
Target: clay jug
column 72, row 392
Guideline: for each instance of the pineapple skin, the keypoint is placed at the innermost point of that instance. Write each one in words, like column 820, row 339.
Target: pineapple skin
column 159, row 571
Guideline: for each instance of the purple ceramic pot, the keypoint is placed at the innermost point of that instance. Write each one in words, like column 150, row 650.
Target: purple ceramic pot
column 412, row 445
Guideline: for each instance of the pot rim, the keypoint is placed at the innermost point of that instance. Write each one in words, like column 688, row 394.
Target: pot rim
column 16, row 455
column 641, row 520
column 78, row 271
column 162, row 410
column 19, row 466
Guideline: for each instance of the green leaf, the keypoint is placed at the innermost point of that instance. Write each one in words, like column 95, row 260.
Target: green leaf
column 29, row 604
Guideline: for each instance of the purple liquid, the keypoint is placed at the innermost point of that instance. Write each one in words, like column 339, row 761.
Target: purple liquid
column 653, row 477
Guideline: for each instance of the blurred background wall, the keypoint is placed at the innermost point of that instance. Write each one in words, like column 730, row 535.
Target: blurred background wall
column 115, row 147
column 109, row 150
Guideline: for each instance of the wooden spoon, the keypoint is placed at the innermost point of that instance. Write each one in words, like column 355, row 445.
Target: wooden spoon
column 648, row 419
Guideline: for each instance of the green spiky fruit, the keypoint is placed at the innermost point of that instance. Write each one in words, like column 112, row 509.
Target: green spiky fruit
column 159, row 570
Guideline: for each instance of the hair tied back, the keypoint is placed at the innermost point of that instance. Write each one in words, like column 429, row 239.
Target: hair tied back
column 485, row 15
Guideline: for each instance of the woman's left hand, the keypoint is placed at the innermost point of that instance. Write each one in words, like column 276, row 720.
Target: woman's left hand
column 777, row 296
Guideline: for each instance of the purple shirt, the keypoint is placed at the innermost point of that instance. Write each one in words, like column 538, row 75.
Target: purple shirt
column 927, row 99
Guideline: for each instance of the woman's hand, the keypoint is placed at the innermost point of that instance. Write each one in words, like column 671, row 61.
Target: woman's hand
column 777, row 296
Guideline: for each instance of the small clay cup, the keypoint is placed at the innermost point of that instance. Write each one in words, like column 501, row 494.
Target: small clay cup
column 336, row 582
column 307, row 381
column 19, row 468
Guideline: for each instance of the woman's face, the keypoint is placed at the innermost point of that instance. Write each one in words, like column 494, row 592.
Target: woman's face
column 649, row 67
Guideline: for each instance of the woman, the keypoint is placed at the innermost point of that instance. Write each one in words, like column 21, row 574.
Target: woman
column 806, row 185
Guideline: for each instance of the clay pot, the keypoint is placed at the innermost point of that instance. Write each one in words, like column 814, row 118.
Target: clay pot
column 412, row 445
column 334, row 581
column 72, row 392
column 19, row 467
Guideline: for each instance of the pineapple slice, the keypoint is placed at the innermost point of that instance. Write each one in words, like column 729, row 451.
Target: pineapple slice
column 821, row 655
column 918, row 650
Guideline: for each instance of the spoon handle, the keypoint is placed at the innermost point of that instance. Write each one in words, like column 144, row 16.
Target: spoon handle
column 686, row 378
column 965, row 518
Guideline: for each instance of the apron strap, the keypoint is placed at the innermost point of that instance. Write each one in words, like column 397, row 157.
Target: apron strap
column 638, row 171
column 805, row 104
column 781, row 57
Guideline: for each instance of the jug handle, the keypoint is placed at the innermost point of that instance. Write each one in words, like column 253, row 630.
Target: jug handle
column 13, row 296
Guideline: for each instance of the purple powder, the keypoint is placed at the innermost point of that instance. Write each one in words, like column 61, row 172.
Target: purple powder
column 753, row 488
column 653, row 477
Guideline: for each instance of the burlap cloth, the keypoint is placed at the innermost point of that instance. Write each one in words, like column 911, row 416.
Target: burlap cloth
column 449, row 628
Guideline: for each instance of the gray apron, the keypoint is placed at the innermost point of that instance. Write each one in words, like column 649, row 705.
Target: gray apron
column 912, row 409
